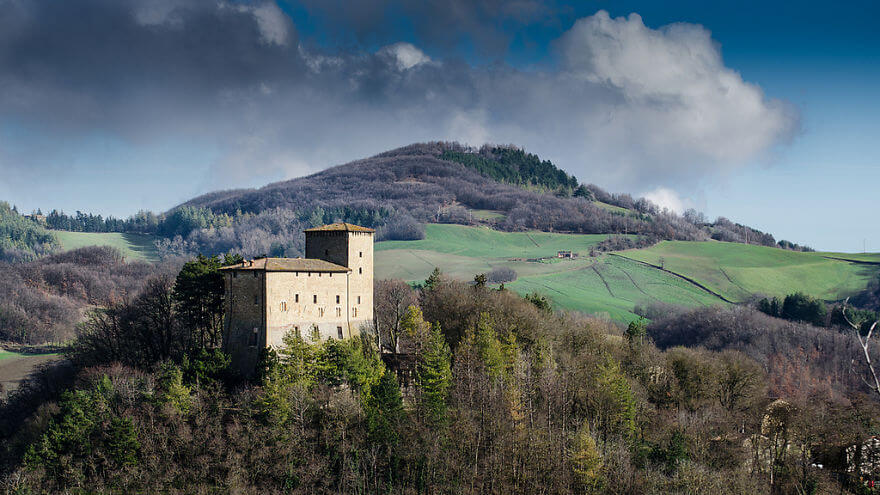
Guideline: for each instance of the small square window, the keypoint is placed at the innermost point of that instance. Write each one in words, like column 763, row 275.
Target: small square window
column 296, row 298
column 339, row 332
column 360, row 270
column 315, row 299
column 360, row 254
column 337, row 298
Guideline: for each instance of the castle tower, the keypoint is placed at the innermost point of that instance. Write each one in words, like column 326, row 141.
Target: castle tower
column 351, row 246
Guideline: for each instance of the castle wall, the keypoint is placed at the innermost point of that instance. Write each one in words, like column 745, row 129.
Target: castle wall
column 284, row 313
column 244, row 314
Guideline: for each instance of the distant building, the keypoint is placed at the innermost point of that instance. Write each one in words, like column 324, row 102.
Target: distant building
column 566, row 254
column 330, row 292
column 37, row 218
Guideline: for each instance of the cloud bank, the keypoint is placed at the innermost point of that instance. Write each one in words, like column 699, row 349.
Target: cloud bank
column 627, row 106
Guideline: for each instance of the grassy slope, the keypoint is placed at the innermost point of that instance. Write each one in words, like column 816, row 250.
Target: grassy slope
column 578, row 284
column 133, row 246
column 737, row 270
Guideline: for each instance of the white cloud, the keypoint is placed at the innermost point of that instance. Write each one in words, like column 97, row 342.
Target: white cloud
column 667, row 198
column 679, row 106
column 405, row 55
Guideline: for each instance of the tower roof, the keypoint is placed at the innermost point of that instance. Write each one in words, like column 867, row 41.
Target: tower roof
column 288, row 265
column 340, row 227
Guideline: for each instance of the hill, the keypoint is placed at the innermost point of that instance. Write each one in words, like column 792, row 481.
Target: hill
column 502, row 187
column 139, row 247
column 693, row 273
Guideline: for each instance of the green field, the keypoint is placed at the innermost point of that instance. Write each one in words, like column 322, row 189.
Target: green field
column 607, row 284
column 133, row 246
column 736, row 270
column 614, row 283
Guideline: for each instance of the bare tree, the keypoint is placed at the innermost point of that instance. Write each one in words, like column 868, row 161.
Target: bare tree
column 392, row 297
column 865, row 342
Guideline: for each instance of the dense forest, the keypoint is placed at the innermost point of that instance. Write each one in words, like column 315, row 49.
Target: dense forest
column 479, row 391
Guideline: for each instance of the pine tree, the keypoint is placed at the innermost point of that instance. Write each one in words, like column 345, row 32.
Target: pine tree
column 434, row 376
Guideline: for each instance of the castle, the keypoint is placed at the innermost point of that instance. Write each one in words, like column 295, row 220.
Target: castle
column 330, row 292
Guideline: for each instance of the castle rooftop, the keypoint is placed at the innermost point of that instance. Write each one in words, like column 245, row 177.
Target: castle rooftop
column 288, row 265
column 340, row 227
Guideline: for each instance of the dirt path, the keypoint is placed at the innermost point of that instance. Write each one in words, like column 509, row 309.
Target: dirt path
column 593, row 266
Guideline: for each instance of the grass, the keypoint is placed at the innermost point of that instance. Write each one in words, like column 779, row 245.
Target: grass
column 486, row 215
column 133, row 246
column 579, row 284
column 4, row 354
column 736, row 270
column 609, row 207
column 483, row 242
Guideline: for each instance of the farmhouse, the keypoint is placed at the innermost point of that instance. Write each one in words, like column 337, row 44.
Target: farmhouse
column 328, row 293
column 566, row 254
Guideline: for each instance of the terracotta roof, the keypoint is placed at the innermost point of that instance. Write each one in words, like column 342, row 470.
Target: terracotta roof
column 340, row 227
column 288, row 265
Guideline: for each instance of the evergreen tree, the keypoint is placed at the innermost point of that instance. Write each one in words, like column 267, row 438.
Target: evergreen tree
column 434, row 376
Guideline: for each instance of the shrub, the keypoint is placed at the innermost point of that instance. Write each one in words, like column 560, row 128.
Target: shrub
column 501, row 274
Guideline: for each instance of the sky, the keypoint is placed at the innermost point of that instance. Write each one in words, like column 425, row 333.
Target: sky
column 764, row 113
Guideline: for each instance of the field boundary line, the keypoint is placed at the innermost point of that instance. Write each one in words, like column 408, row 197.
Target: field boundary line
column 701, row 286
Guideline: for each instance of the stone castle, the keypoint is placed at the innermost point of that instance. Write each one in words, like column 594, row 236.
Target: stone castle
column 330, row 292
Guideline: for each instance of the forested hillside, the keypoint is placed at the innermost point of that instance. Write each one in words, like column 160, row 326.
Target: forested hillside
column 22, row 239
column 495, row 394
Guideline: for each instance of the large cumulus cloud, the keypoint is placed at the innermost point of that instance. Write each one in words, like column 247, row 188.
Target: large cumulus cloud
column 626, row 106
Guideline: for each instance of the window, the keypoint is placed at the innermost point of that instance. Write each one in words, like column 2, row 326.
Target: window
column 296, row 298
column 330, row 275
column 283, row 305
column 296, row 330
column 320, row 311
column 256, row 274
column 296, row 274
column 326, row 252
column 254, row 337
column 354, row 311
column 234, row 274
column 319, row 274
column 339, row 332
column 360, row 270
column 315, row 299
column 359, row 299
column 256, row 300
column 337, row 298
column 338, row 312
column 360, row 254
column 310, row 274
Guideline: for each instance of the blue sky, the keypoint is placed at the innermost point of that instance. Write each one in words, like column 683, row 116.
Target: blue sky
column 153, row 103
